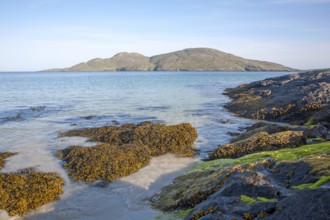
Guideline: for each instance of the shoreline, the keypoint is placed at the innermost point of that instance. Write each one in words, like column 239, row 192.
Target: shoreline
column 146, row 185
column 262, row 182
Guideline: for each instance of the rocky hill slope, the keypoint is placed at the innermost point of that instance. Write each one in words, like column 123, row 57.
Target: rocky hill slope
column 193, row 59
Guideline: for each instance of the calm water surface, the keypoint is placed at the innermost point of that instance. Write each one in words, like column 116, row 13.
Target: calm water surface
column 36, row 107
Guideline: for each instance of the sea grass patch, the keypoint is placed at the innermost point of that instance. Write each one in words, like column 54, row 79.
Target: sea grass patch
column 27, row 190
column 125, row 149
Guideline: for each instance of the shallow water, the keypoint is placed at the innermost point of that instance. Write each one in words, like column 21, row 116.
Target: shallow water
column 36, row 107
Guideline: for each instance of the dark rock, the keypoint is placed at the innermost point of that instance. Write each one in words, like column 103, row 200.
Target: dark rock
column 292, row 174
column 294, row 98
column 328, row 137
column 114, row 122
column 304, row 205
column 89, row 117
column 248, row 182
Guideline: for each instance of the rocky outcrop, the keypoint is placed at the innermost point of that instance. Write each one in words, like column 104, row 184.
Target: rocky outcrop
column 267, row 172
column 27, row 190
column 261, row 141
column 193, row 59
column 125, row 149
column 307, row 204
column 254, row 190
column 302, row 98
column 312, row 131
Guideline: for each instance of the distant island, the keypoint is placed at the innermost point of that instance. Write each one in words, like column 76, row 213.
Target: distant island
column 192, row 59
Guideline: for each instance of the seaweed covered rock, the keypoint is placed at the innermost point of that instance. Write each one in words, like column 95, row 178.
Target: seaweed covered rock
column 257, row 186
column 104, row 162
column 189, row 190
column 195, row 187
column 159, row 138
column 313, row 131
column 3, row 156
column 27, row 190
column 297, row 98
column 125, row 149
column 261, row 141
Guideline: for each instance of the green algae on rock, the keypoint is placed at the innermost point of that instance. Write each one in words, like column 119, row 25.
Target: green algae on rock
column 266, row 177
column 125, row 149
column 261, row 141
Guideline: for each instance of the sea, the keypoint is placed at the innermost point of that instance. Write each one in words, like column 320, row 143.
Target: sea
column 36, row 107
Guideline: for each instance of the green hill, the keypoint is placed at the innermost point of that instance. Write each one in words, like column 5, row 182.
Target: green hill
column 194, row 59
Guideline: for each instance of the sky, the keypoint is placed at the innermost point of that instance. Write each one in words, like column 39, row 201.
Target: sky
column 43, row 34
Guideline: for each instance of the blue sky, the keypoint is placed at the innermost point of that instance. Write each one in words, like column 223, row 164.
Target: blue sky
column 41, row 34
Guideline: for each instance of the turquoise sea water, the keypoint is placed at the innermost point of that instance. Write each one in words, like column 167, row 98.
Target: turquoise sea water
column 36, row 107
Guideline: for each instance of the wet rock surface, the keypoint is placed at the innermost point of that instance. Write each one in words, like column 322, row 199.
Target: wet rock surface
column 27, row 190
column 124, row 149
column 295, row 98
